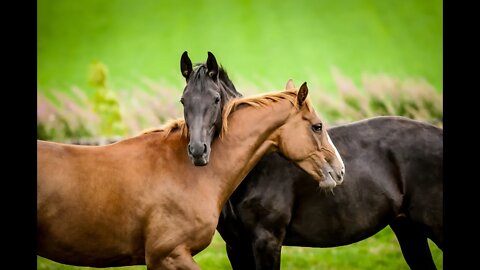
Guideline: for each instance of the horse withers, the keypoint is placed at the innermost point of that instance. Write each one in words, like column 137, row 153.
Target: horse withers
column 394, row 177
column 141, row 201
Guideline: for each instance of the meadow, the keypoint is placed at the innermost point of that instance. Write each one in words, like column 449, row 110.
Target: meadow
column 111, row 68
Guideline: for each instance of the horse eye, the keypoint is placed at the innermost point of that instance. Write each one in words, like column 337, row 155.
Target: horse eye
column 317, row 127
column 181, row 100
column 217, row 100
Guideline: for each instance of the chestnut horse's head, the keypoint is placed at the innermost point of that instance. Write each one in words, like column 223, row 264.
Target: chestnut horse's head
column 208, row 89
column 304, row 140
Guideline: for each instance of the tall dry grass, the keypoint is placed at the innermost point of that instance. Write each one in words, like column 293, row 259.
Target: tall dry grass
column 152, row 103
column 383, row 95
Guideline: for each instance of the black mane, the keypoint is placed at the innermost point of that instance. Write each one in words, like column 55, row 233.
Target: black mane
column 200, row 72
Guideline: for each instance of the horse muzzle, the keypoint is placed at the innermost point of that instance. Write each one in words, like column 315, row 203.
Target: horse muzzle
column 332, row 177
column 198, row 153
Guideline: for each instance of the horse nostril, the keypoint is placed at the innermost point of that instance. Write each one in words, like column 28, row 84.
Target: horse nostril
column 196, row 150
column 190, row 149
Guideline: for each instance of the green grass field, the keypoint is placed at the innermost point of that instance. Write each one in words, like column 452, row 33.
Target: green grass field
column 259, row 42
column 379, row 252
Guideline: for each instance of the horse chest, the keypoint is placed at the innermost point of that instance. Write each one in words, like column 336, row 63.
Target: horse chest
column 179, row 221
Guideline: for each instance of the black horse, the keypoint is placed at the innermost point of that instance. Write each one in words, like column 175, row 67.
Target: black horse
column 394, row 176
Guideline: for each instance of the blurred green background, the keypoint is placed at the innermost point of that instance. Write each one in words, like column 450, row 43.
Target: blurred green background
column 256, row 41
column 111, row 67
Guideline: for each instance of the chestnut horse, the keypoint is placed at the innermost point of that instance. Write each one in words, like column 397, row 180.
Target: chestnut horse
column 394, row 177
column 141, row 201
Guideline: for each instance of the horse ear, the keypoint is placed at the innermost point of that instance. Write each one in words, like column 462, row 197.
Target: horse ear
column 289, row 85
column 212, row 66
column 185, row 65
column 302, row 94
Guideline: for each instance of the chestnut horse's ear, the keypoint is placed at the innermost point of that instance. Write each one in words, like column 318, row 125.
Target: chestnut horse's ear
column 289, row 85
column 212, row 66
column 185, row 65
column 302, row 94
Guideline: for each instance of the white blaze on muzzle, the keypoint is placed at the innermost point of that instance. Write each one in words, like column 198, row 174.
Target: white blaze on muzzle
column 337, row 154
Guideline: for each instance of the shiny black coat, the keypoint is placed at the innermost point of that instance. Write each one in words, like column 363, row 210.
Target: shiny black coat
column 394, row 176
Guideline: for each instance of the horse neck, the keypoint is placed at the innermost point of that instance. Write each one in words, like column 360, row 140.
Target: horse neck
column 227, row 87
column 228, row 92
column 251, row 134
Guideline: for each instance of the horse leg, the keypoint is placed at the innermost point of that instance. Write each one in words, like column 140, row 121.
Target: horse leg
column 414, row 245
column 241, row 257
column 267, row 248
column 179, row 259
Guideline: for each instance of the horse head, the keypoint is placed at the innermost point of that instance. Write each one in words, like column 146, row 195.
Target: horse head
column 208, row 89
column 306, row 142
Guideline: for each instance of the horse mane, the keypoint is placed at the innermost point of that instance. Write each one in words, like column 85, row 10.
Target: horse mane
column 201, row 69
column 263, row 100
column 170, row 126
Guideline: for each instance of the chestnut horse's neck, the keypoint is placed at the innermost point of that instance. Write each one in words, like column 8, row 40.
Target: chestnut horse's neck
column 250, row 135
column 252, row 132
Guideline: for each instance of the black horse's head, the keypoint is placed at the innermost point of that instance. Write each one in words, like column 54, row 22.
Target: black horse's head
column 208, row 89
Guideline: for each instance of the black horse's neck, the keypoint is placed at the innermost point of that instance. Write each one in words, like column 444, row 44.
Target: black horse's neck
column 230, row 90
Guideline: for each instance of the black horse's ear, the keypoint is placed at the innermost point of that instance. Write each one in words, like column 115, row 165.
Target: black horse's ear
column 185, row 65
column 302, row 94
column 212, row 66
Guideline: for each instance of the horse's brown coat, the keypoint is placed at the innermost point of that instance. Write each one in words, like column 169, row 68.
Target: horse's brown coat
column 141, row 201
